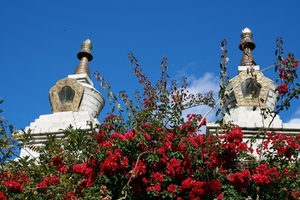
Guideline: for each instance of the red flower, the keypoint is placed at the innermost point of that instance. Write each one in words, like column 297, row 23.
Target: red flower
column 187, row 184
column 282, row 89
column 129, row 135
column 240, row 179
column 295, row 194
column 147, row 136
column 42, row 186
column 214, row 186
column 2, row 196
column 174, row 162
column 284, row 62
column 62, row 169
column 13, row 185
column 23, row 178
column 79, row 168
column 220, row 196
column 142, row 147
column 124, row 162
column 234, row 136
column 57, row 160
column 261, row 179
column 161, row 150
column 106, row 144
column 172, row 188
column 4, row 175
column 70, row 196
column 52, row 180
column 181, row 147
column 156, row 188
column 179, row 172
column 282, row 73
column 199, row 188
column 296, row 63
column 170, row 171
column 286, row 151
column 116, row 136
column 264, row 175
column 157, row 176
column 140, row 168
column 146, row 181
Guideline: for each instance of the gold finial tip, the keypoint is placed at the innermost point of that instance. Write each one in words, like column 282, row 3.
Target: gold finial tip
column 246, row 30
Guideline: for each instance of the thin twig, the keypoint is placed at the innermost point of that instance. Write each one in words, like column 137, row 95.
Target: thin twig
column 132, row 173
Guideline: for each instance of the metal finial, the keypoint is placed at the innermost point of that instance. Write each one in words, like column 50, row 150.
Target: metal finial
column 247, row 45
column 84, row 55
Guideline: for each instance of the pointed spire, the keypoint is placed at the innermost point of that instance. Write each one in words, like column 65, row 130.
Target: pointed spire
column 247, row 45
column 84, row 55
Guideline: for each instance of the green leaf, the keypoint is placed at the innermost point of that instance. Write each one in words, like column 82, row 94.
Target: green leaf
column 249, row 84
column 254, row 108
column 218, row 111
column 258, row 85
column 223, row 43
column 262, row 100
column 227, row 95
column 228, row 111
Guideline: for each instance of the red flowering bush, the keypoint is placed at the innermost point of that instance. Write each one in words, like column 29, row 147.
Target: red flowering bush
column 156, row 153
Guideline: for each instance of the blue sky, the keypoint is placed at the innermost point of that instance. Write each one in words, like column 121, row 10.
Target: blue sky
column 40, row 40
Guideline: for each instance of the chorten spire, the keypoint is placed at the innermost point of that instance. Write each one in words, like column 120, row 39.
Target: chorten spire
column 247, row 45
column 84, row 55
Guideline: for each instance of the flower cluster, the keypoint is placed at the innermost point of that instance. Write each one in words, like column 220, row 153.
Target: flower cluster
column 58, row 162
column 47, row 181
column 287, row 73
column 13, row 182
column 13, row 185
column 240, row 179
column 282, row 89
column 2, row 196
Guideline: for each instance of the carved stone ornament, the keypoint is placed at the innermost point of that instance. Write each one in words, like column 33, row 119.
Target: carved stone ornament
column 66, row 95
column 244, row 97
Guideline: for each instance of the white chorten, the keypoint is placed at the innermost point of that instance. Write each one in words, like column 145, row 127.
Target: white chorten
column 74, row 101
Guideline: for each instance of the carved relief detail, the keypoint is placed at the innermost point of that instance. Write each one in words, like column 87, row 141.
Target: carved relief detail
column 248, row 100
column 57, row 105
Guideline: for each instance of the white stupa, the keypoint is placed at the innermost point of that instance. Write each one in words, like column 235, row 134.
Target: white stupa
column 74, row 101
column 241, row 100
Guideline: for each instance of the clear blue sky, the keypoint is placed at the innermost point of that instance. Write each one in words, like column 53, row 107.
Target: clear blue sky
column 40, row 40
